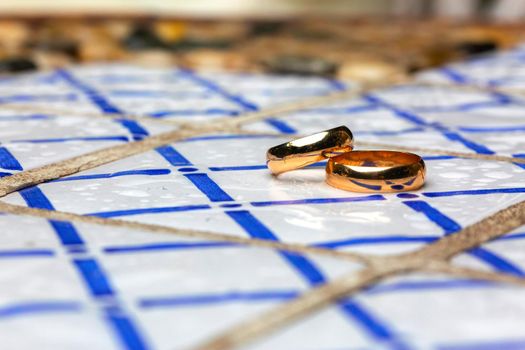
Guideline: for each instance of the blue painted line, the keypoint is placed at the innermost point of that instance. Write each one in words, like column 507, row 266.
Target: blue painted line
column 208, row 187
column 229, row 297
column 375, row 240
column 70, row 139
column 374, row 197
column 238, row 168
column 143, row 211
column 66, row 232
column 173, row 157
column 519, row 155
column 497, row 262
column 138, row 132
column 128, row 334
column 474, row 192
column 39, row 307
column 134, row 128
column 510, row 344
column 105, row 105
column 341, row 110
column 453, row 136
column 26, row 253
column 447, row 224
column 166, row 246
column 216, row 88
column 25, row 117
column 336, row 85
column 257, row 230
column 312, row 275
column 281, row 126
column 512, row 236
column 4, row 174
column 454, row 75
column 8, row 161
column 476, row 147
column 157, row 94
column 469, row 129
column 32, row 98
column 411, row 117
column 94, row 277
column 194, row 112
column 148, row 172
column 428, row 285
column 229, row 137
column 92, row 274
column 438, row 157
column 389, row 132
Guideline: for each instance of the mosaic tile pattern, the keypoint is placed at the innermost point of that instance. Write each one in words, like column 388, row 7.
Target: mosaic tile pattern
column 87, row 286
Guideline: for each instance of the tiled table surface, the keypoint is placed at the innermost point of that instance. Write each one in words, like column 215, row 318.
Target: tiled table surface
column 84, row 286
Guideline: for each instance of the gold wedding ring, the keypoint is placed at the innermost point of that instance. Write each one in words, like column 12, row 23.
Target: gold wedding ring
column 376, row 171
column 307, row 150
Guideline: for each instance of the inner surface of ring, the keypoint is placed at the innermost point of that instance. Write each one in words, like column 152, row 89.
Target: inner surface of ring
column 376, row 165
column 377, row 159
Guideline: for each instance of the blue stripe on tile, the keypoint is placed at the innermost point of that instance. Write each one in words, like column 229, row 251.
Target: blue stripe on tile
column 376, row 240
column 213, row 86
column 447, row 224
column 94, row 277
column 374, row 197
column 312, row 275
column 39, row 307
column 173, row 156
column 149, row 172
column 135, row 129
column 23, row 253
column 476, row 147
column 207, row 186
column 100, row 101
column 492, row 129
column 454, row 75
column 143, row 211
column 281, row 126
column 497, row 262
column 474, row 192
column 509, row 344
column 72, row 139
column 240, row 167
column 8, row 161
column 412, row 286
column 6, row 118
column 127, row 331
column 165, row 246
column 66, row 232
column 228, row 297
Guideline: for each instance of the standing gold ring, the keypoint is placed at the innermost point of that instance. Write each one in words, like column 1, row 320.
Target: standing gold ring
column 376, row 171
column 307, row 150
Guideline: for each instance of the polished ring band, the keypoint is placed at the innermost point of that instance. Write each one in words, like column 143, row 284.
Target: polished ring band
column 307, row 150
column 376, row 171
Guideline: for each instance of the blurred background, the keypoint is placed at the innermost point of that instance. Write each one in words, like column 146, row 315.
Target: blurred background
column 359, row 40
column 501, row 10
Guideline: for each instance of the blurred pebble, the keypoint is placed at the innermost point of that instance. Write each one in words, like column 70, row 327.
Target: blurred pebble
column 300, row 65
column 17, row 64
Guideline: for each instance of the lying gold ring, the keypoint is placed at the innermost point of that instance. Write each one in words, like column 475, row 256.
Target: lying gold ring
column 307, row 150
column 376, row 171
